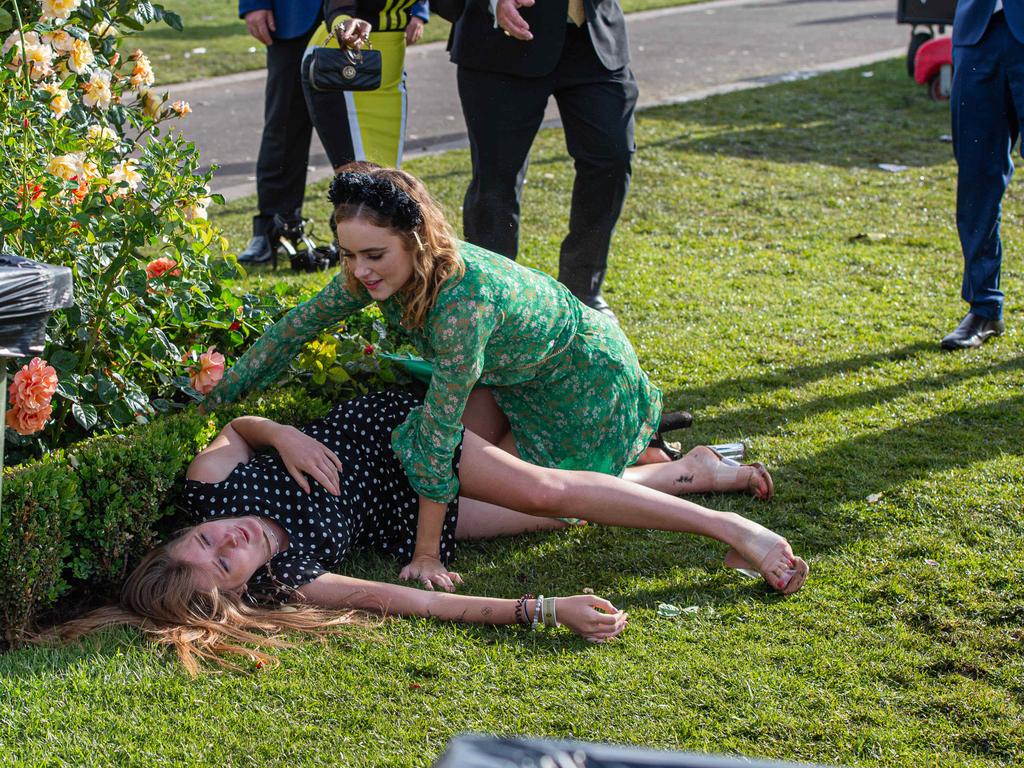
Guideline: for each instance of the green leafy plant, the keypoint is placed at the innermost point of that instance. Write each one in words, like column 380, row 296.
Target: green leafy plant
column 93, row 178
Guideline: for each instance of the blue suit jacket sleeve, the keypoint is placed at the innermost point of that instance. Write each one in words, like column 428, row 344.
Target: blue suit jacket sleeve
column 246, row 6
column 293, row 18
column 421, row 9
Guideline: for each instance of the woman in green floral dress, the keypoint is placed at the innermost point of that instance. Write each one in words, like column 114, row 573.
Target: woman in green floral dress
column 568, row 391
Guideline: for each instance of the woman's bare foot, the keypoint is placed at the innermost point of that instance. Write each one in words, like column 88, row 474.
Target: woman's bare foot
column 770, row 555
column 727, row 476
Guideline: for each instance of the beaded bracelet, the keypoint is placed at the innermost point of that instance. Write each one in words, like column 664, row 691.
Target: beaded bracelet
column 522, row 617
column 536, row 612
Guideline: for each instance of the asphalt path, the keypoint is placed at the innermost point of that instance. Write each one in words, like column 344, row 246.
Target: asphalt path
column 678, row 54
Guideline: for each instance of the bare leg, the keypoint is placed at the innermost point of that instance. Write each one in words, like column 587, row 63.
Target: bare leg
column 480, row 520
column 702, row 471
column 488, row 473
column 483, row 416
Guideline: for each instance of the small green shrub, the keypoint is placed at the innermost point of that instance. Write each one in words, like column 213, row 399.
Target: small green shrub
column 81, row 518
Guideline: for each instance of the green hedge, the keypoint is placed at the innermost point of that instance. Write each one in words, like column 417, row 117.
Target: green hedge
column 81, row 517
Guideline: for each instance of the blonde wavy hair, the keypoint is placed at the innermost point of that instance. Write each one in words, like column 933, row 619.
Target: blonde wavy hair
column 162, row 600
column 432, row 242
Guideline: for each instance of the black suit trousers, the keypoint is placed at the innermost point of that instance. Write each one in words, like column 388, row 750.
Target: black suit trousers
column 287, row 130
column 503, row 114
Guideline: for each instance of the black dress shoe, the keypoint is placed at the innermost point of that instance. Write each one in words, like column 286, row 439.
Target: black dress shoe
column 258, row 251
column 598, row 304
column 973, row 331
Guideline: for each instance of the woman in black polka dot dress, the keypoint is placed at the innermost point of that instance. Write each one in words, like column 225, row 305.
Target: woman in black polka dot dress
column 359, row 498
column 279, row 524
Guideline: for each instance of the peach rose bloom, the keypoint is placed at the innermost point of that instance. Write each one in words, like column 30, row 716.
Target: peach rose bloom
column 26, row 422
column 211, row 370
column 33, row 386
column 162, row 266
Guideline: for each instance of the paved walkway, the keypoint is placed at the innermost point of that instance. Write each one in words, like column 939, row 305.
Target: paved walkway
column 679, row 54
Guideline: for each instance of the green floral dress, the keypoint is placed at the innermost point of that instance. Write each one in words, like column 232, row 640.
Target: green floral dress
column 565, row 376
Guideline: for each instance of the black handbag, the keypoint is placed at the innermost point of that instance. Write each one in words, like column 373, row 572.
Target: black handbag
column 342, row 69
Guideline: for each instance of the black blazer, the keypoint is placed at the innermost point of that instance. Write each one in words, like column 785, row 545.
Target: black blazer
column 477, row 44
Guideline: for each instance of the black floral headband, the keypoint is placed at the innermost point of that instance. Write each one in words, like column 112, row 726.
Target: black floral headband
column 379, row 193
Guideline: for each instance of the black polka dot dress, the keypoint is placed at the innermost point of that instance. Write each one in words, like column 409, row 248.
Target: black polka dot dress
column 377, row 508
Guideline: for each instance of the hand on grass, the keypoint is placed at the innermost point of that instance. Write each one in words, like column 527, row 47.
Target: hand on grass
column 591, row 617
column 429, row 571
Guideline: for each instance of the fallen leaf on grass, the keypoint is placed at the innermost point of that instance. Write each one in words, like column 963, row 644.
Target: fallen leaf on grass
column 869, row 237
column 874, row 498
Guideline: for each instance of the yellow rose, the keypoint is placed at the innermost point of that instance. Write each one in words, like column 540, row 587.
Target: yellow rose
column 104, row 29
column 142, row 73
column 80, row 57
column 97, row 90
column 65, row 166
column 40, row 60
column 59, row 40
column 58, row 9
column 101, row 134
column 151, row 104
column 59, row 104
column 125, row 171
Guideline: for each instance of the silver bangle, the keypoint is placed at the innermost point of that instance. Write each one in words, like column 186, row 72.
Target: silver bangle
column 536, row 612
column 550, row 618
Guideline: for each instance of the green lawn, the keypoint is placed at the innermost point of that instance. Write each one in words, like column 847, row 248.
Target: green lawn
column 779, row 284
column 226, row 46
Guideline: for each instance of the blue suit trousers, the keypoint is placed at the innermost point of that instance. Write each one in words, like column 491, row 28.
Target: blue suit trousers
column 987, row 102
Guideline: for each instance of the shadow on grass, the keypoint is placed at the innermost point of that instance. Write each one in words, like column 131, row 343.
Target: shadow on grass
column 197, row 32
column 837, row 119
column 763, row 418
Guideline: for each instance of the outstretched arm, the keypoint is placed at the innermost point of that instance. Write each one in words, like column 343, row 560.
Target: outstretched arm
column 590, row 617
column 267, row 359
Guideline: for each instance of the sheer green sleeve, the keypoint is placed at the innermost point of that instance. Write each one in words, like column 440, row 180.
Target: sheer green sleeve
column 267, row 359
column 426, row 442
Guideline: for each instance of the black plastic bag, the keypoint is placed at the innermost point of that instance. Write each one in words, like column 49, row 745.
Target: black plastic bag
column 29, row 292
column 471, row 751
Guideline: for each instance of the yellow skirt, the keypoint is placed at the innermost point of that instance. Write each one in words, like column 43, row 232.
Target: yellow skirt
column 372, row 122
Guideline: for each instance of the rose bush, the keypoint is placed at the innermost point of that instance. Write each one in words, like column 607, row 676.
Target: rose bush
column 93, row 177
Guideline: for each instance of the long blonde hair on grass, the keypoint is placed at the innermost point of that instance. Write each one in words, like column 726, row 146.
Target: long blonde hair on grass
column 162, row 600
column 382, row 196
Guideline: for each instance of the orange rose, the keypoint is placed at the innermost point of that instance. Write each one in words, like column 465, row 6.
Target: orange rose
column 160, row 267
column 211, row 370
column 33, row 386
column 27, row 422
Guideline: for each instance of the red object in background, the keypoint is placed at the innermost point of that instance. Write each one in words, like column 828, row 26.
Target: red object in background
column 933, row 66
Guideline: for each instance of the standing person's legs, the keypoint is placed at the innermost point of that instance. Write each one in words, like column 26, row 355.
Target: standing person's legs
column 503, row 114
column 985, row 128
column 597, row 107
column 284, row 147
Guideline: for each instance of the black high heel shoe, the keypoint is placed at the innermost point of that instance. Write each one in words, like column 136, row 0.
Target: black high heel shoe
column 671, row 421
